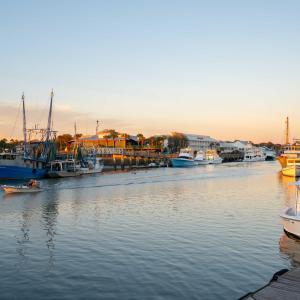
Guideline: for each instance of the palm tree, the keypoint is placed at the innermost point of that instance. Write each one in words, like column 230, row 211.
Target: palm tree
column 141, row 139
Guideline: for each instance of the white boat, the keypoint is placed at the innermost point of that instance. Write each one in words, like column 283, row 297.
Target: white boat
column 184, row 159
column 32, row 186
column 64, row 168
column 268, row 153
column 213, row 157
column 291, row 218
column 200, row 158
column 290, row 161
column 91, row 165
column 253, row 154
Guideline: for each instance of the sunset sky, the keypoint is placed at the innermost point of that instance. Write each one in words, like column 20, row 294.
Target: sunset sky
column 228, row 69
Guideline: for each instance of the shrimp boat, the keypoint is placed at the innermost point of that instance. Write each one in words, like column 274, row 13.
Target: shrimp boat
column 290, row 216
column 184, row 159
column 30, row 162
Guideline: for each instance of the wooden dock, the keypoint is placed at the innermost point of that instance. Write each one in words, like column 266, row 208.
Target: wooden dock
column 285, row 285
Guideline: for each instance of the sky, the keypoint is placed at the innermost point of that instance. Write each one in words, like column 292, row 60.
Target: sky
column 228, row 69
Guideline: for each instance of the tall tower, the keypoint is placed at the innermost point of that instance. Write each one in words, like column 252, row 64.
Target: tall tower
column 287, row 131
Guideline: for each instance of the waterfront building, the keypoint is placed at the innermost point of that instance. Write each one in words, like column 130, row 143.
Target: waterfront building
column 103, row 139
column 237, row 145
column 200, row 142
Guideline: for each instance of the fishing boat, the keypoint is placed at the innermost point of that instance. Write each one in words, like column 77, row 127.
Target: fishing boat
column 290, row 160
column 200, row 158
column 91, row 165
column 64, row 168
column 290, row 216
column 184, row 159
column 31, row 161
column 213, row 157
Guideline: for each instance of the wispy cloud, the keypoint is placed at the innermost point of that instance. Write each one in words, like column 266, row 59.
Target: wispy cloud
column 64, row 119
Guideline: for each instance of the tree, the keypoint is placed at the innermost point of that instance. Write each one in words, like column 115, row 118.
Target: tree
column 141, row 139
column 176, row 141
column 62, row 140
column 110, row 134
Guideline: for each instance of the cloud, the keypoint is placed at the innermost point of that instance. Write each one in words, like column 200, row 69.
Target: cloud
column 64, row 119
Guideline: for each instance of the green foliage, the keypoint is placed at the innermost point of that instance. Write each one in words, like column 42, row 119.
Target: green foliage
column 176, row 141
column 5, row 144
column 62, row 140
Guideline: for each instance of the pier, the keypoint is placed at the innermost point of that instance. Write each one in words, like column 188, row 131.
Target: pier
column 284, row 285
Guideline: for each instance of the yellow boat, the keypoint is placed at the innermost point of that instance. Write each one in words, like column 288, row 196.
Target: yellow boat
column 290, row 161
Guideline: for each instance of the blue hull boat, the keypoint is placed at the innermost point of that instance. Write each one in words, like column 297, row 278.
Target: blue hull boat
column 183, row 163
column 18, row 172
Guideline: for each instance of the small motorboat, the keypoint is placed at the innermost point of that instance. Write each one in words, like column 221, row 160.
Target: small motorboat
column 290, row 216
column 32, row 186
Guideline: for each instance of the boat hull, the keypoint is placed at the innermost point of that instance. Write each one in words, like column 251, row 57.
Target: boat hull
column 91, row 171
column 255, row 159
column 215, row 161
column 183, row 163
column 63, row 174
column 290, row 222
column 202, row 162
column 14, row 189
column 291, row 171
column 18, row 172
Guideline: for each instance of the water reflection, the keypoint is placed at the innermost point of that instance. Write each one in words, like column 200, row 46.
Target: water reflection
column 49, row 215
column 291, row 248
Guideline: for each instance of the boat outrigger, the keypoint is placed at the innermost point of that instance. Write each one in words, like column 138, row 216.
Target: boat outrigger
column 31, row 161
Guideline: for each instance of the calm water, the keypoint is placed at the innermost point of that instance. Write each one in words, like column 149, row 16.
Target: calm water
column 211, row 232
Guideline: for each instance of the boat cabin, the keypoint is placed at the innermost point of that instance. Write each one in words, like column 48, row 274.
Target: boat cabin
column 63, row 165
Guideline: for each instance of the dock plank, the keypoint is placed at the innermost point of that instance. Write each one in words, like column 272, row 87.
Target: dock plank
column 270, row 293
column 281, row 287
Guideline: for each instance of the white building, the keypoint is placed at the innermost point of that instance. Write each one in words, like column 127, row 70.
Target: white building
column 200, row 142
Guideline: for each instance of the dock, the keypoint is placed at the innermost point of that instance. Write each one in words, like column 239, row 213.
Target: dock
column 284, row 285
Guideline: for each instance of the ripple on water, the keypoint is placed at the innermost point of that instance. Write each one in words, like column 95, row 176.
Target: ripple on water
column 211, row 232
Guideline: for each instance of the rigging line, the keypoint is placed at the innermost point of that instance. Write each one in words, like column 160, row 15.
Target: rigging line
column 14, row 127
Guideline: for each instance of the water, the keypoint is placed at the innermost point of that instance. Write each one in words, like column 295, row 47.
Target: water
column 211, row 232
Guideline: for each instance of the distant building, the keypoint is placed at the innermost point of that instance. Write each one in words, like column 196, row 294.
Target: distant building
column 122, row 141
column 234, row 146
column 200, row 142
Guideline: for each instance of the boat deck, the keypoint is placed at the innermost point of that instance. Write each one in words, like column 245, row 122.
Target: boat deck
column 285, row 286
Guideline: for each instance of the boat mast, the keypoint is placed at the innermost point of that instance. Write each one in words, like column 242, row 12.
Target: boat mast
column 24, row 125
column 49, row 118
column 297, row 193
column 97, row 127
column 287, row 131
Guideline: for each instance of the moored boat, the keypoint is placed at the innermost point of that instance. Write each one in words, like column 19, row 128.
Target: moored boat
column 185, row 159
column 91, row 165
column 268, row 153
column 290, row 161
column 32, row 158
column 64, row 168
column 213, row 157
column 291, row 218
column 200, row 158
column 253, row 154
